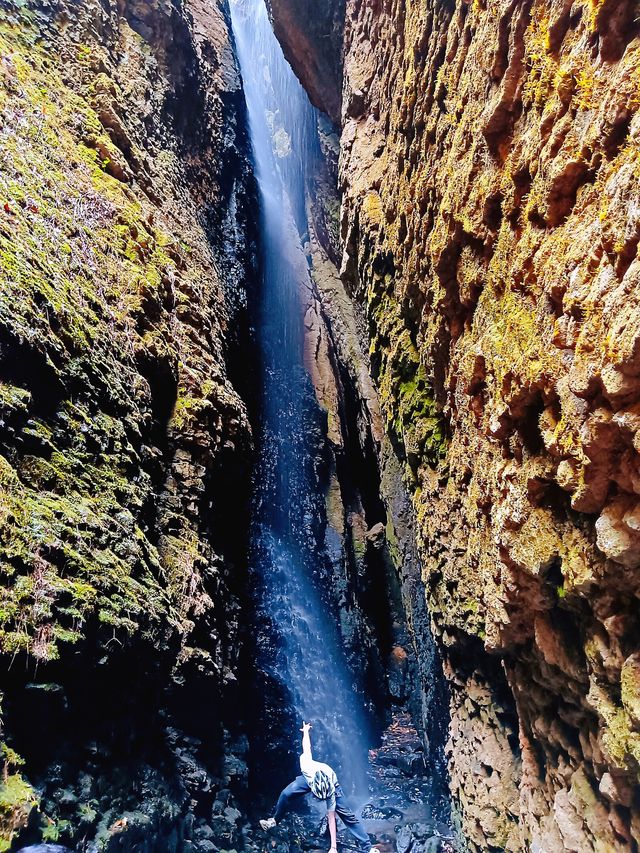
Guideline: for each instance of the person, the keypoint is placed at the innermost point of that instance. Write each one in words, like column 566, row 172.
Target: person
column 320, row 780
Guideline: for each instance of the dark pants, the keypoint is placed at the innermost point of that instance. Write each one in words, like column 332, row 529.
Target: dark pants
column 299, row 788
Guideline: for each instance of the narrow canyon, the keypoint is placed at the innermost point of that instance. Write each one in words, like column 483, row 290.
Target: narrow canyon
column 319, row 400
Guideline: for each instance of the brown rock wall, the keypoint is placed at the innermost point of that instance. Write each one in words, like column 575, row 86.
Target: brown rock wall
column 311, row 36
column 489, row 169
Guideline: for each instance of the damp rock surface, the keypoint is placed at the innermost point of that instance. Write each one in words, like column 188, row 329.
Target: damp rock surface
column 122, row 433
column 312, row 40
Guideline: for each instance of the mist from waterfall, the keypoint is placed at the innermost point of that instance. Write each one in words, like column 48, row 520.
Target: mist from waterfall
column 304, row 654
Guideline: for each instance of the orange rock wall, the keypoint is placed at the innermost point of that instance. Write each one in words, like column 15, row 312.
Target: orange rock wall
column 490, row 220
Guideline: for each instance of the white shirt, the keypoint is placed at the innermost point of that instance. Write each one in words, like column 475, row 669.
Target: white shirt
column 309, row 768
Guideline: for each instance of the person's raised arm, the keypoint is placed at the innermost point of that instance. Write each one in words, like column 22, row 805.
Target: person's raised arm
column 306, row 740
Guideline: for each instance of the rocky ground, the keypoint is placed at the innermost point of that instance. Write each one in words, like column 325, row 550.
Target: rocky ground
column 405, row 812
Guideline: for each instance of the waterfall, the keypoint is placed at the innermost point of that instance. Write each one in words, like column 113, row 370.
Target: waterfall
column 293, row 604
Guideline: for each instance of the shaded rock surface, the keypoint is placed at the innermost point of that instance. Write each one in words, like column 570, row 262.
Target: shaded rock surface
column 124, row 442
column 368, row 505
column 488, row 170
column 311, row 35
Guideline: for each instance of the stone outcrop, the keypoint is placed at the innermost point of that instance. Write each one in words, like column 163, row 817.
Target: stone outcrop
column 126, row 242
column 311, row 37
column 382, row 606
column 125, row 447
column 489, row 227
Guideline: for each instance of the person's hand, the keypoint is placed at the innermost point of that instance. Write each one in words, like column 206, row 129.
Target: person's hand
column 305, row 728
column 333, row 850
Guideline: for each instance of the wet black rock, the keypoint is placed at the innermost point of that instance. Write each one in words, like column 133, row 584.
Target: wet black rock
column 372, row 812
column 427, row 837
column 205, row 846
column 391, row 773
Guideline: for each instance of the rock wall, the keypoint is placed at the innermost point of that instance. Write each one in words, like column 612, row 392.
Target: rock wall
column 368, row 505
column 126, row 357
column 482, row 264
column 124, row 250
column 311, row 36
column 489, row 223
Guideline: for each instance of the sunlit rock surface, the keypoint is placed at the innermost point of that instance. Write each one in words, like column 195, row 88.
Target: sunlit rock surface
column 127, row 311
column 490, row 227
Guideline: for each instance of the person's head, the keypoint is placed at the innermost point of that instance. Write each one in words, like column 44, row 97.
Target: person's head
column 321, row 785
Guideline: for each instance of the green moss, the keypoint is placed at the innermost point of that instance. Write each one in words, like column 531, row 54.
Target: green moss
column 98, row 288
column 179, row 556
column 416, row 421
column 621, row 742
column 630, row 688
column 418, row 413
column 76, row 247
column 585, row 88
column 188, row 409
column 358, row 543
column 413, row 419
column 52, row 247
column 391, row 542
column 619, row 739
column 54, row 831
column 372, row 208
column 511, row 339
column 17, row 799
column 594, row 7
column 13, row 399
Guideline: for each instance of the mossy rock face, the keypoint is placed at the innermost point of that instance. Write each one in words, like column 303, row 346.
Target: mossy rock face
column 630, row 683
column 489, row 164
column 414, row 421
column 102, row 380
column 17, row 800
column 121, row 300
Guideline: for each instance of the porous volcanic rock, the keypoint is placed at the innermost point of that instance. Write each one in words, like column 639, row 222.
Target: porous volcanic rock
column 489, row 169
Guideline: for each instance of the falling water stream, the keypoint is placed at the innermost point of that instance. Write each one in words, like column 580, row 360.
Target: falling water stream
column 287, row 556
